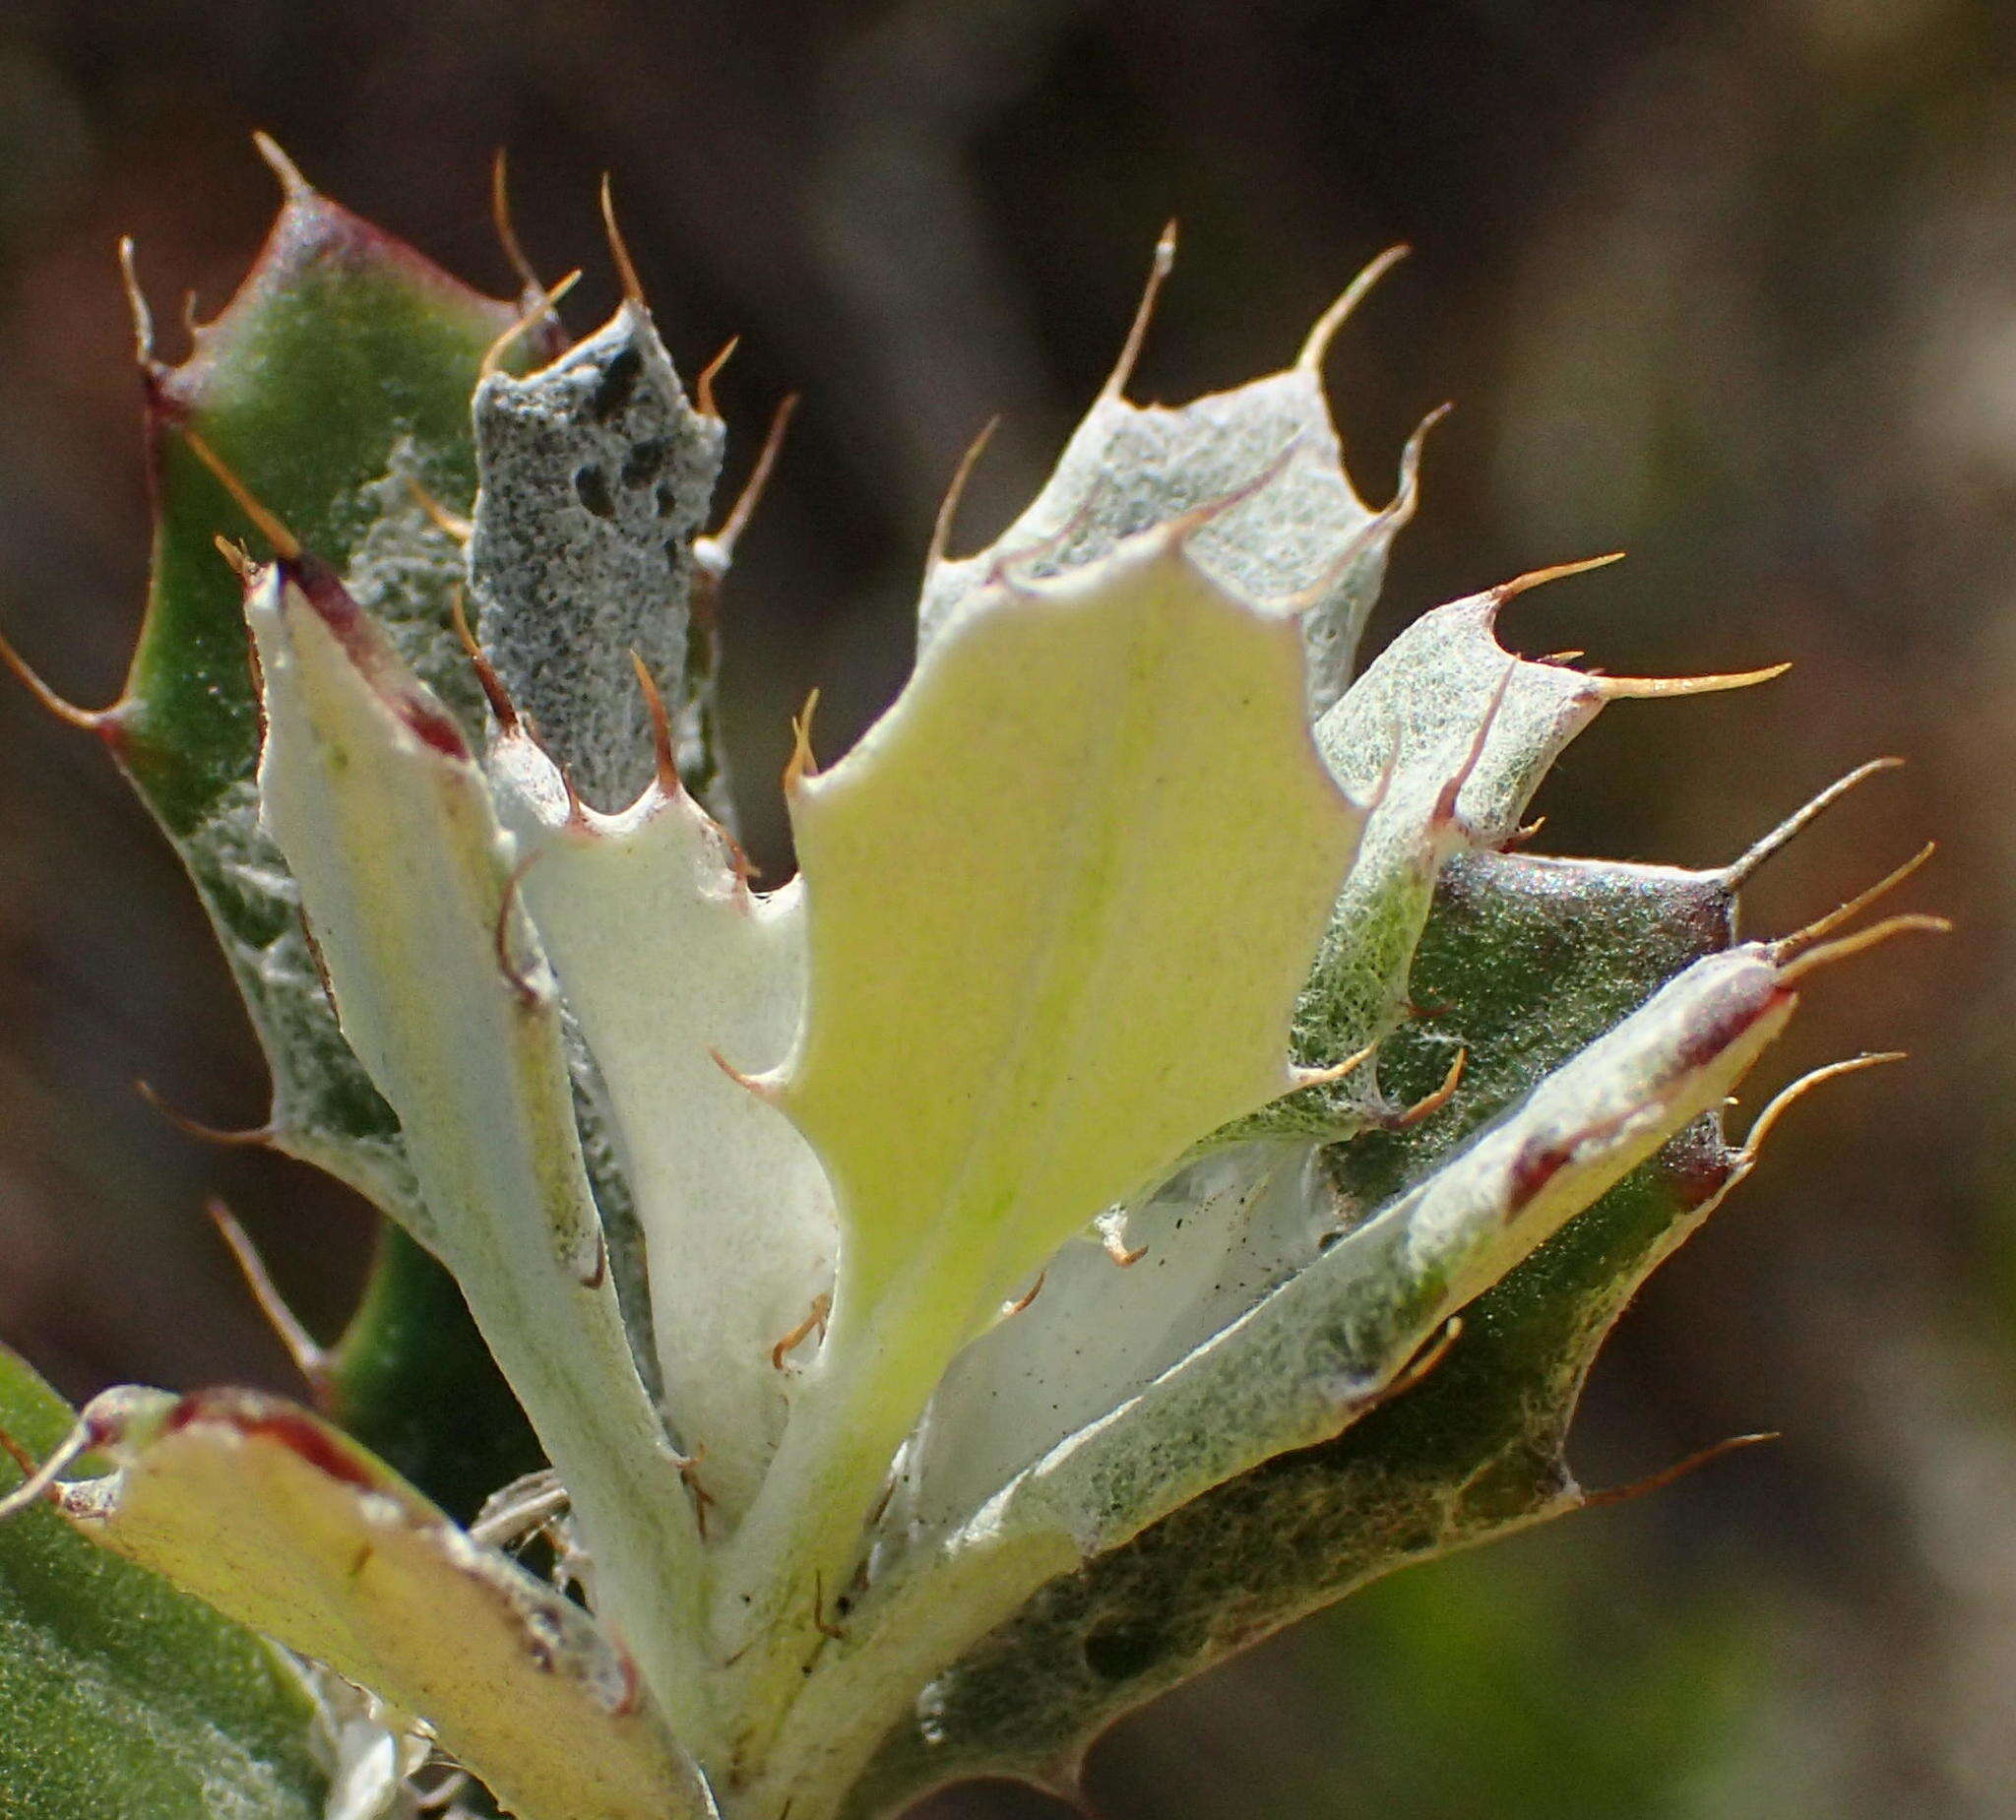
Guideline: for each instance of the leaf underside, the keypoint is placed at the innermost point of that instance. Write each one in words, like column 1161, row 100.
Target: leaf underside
column 272, row 1516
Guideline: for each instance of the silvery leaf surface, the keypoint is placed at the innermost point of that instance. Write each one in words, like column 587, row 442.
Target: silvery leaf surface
column 1299, row 531
column 670, row 963
column 595, row 475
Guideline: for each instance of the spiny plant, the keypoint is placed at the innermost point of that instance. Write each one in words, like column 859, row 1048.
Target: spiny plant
column 1165, row 1161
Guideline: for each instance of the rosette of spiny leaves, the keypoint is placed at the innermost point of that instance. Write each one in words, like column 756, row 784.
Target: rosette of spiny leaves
column 1163, row 1162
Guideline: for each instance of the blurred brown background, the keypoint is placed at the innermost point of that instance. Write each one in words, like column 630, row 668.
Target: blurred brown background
column 1728, row 282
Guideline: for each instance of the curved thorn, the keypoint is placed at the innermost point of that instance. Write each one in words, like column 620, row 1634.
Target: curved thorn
column 269, row 523
column 237, row 557
column 725, row 539
column 1787, row 1097
column 1641, row 688
column 702, row 386
column 1048, row 546
column 494, row 691
column 1329, row 1076
column 744, row 868
column 39, row 1484
column 310, row 1358
column 688, row 1468
column 1431, row 1354
column 1658, row 1481
column 1310, row 360
column 1799, row 820
column 1144, row 312
column 1116, row 1249
column 1036, row 1288
column 577, row 808
column 764, row 1089
column 453, row 524
column 494, row 355
column 444, row 1794
column 948, row 507
column 533, row 1498
column 1799, row 940
column 1382, row 525
column 1440, row 1097
column 1558, row 572
column 1847, row 946
column 136, row 303
column 815, row 1317
column 801, row 764
column 255, row 1137
column 831, row 1631
column 592, row 1277
column 506, row 228
column 20, row 1455
column 292, row 184
column 669, row 782
column 619, row 251
column 91, row 719
column 522, row 985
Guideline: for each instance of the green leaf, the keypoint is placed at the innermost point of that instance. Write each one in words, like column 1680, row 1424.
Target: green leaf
column 120, row 1695
column 254, row 1505
column 342, row 365
column 339, row 373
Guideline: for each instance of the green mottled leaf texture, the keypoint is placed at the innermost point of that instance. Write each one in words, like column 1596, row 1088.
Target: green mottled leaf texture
column 120, row 1695
column 336, row 377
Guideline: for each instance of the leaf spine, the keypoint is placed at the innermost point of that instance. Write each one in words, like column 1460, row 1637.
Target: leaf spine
column 494, row 355
column 1799, row 820
column 285, row 546
column 311, row 1359
column 1787, row 1097
column 1158, row 268
column 1679, row 1470
column 255, row 1137
column 948, row 507
column 702, row 386
column 619, row 250
column 1318, row 345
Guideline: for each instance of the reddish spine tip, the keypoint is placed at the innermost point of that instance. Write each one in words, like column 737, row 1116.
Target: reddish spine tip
column 364, row 645
column 492, row 684
column 265, row 1419
column 669, row 782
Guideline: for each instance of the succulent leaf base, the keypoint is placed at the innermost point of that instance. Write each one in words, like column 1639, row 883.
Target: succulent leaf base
column 1164, row 1161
